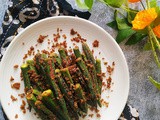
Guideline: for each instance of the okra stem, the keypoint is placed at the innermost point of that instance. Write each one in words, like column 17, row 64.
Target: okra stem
column 77, row 52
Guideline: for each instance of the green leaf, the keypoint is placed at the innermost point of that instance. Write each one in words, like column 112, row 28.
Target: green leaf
column 89, row 3
column 103, row 1
column 155, row 83
column 113, row 25
column 131, row 15
column 124, row 34
column 158, row 10
column 147, row 46
column 114, row 3
column 81, row 4
column 157, row 20
column 135, row 38
column 143, row 31
column 153, row 3
column 121, row 23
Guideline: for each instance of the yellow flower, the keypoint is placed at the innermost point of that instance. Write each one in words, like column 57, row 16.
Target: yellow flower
column 144, row 18
column 133, row 1
column 157, row 31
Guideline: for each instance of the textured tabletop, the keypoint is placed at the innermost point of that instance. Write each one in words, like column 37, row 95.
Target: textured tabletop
column 143, row 95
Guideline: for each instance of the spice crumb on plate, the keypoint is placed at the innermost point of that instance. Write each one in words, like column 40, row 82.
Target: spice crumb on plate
column 105, row 63
column 109, row 80
column 78, row 38
column 113, row 63
column 16, row 116
column 98, row 115
column 64, row 36
column 92, row 51
column 25, row 56
column 16, row 85
column 22, row 107
column 31, row 48
column 73, row 32
column 41, row 38
column 58, row 29
column 110, row 69
column 56, row 37
column 15, row 66
column 13, row 98
column 11, row 79
column 90, row 115
column 21, row 95
column 95, row 43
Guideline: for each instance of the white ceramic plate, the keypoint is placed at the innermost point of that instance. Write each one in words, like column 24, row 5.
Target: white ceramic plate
column 108, row 48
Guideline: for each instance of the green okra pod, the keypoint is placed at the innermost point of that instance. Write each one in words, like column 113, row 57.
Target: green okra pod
column 81, row 97
column 62, row 53
column 92, row 70
column 93, row 74
column 36, row 76
column 47, row 98
column 87, row 78
column 99, row 76
column 66, row 75
column 57, row 60
column 42, row 111
column 25, row 69
column 84, row 57
column 68, row 96
column 88, row 53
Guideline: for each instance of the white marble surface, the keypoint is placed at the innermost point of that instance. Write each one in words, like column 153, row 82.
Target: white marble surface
column 143, row 95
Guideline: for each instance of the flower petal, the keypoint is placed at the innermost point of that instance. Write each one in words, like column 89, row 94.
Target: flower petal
column 133, row 1
column 144, row 18
column 157, row 31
